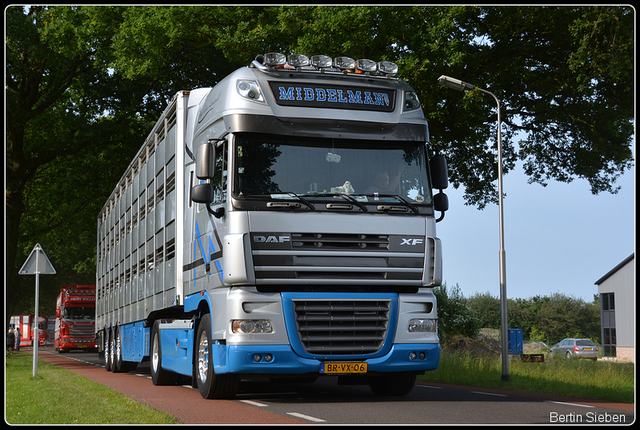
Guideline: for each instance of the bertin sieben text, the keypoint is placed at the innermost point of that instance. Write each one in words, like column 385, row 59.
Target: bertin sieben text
column 589, row 417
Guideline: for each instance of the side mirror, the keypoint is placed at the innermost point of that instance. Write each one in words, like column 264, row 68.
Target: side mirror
column 441, row 202
column 206, row 161
column 439, row 172
column 202, row 193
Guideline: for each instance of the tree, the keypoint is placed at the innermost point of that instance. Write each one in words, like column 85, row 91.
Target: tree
column 454, row 316
column 564, row 316
column 563, row 74
column 85, row 84
column 69, row 122
column 486, row 309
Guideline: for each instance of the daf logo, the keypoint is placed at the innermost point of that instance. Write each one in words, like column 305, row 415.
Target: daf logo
column 411, row 242
column 271, row 239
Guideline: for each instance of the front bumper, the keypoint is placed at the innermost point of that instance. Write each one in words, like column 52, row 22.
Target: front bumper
column 251, row 359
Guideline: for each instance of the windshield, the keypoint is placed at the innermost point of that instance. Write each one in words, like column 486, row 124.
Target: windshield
column 79, row 313
column 281, row 168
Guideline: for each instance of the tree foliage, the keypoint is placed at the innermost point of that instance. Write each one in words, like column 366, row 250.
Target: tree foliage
column 541, row 318
column 454, row 315
column 84, row 84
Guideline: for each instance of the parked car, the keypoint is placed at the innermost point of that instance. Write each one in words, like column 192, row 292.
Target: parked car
column 583, row 348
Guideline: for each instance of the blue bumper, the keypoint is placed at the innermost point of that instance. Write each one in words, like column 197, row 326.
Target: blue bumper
column 281, row 359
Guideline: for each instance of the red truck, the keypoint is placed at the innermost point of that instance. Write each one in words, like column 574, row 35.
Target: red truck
column 27, row 328
column 75, row 318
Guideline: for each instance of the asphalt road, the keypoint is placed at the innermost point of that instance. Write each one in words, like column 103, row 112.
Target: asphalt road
column 325, row 402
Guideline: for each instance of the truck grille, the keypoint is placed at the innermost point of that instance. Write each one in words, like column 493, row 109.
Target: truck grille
column 81, row 333
column 347, row 259
column 341, row 327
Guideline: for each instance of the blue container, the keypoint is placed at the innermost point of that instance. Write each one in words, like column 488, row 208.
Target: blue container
column 515, row 341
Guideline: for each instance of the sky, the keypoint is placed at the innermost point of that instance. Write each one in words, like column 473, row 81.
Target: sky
column 558, row 239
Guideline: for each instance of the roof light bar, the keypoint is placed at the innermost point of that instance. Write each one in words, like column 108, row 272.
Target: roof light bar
column 320, row 62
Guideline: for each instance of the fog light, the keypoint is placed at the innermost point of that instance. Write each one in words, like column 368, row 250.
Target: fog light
column 422, row 356
column 268, row 358
column 412, row 356
column 257, row 358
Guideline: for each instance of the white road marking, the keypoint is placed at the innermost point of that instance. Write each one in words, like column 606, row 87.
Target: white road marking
column 250, row 402
column 430, row 386
column 489, row 394
column 570, row 404
column 306, row 417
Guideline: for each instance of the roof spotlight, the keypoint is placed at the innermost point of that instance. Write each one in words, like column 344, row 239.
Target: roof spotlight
column 344, row 63
column 275, row 59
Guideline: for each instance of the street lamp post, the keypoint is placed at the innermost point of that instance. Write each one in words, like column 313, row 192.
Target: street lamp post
column 459, row 85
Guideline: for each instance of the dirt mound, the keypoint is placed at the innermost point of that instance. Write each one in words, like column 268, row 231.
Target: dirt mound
column 490, row 338
column 465, row 344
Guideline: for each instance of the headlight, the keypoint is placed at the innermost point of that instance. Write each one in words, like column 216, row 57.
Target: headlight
column 411, row 101
column 251, row 326
column 421, row 325
column 249, row 90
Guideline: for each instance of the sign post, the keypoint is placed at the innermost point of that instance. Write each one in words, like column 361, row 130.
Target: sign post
column 36, row 264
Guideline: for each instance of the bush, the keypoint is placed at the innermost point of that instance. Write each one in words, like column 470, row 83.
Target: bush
column 454, row 316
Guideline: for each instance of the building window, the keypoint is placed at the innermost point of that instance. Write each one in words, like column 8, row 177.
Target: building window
column 608, row 320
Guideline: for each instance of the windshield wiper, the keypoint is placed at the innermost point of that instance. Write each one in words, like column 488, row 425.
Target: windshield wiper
column 354, row 201
column 302, row 200
column 399, row 199
column 343, row 195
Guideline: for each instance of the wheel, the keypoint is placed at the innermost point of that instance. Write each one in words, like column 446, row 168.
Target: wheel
column 107, row 350
column 113, row 345
column 119, row 365
column 568, row 354
column 116, row 351
column 210, row 385
column 392, row 384
column 159, row 376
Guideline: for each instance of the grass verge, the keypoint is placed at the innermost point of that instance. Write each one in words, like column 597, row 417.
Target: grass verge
column 586, row 379
column 59, row 396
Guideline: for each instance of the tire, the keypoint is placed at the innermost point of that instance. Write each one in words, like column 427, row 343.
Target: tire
column 210, row 385
column 113, row 345
column 159, row 376
column 392, row 384
column 107, row 351
column 568, row 354
column 119, row 365
column 116, row 351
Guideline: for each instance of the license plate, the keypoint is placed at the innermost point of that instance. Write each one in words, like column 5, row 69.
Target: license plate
column 82, row 346
column 343, row 368
column 588, row 349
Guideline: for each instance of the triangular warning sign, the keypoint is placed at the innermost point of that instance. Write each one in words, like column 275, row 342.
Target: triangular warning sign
column 37, row 262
